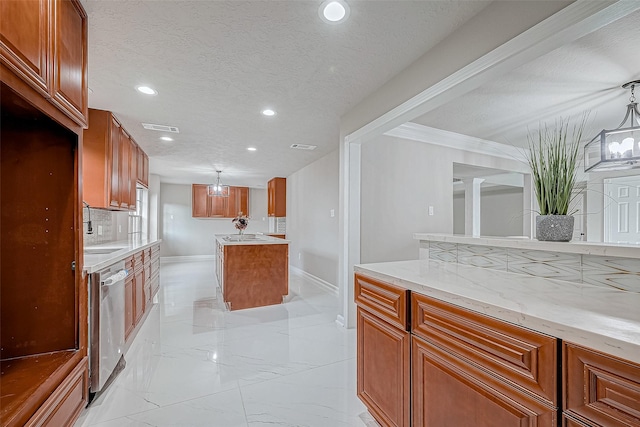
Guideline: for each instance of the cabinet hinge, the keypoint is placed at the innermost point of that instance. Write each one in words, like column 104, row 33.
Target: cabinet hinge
column 73, row 265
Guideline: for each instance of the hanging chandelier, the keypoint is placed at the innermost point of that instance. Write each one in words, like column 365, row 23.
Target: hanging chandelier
column 217, row 189
column 618, row 148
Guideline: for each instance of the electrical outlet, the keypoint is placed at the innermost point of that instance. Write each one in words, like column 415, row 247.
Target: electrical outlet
column 299, row 255
column 332, row 213
column 99, row 230
column 119, row 228
column 430, row 210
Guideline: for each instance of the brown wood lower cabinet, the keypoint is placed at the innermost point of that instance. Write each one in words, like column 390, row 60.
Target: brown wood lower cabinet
column 468, row 369
column 384, row 351
column 383, row 369
column 64, row 405
column 449, row 392
column 600, row 390
column 129, row 319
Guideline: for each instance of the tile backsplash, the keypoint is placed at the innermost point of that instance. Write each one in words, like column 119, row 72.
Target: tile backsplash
column 108, row 226
column 616, row 272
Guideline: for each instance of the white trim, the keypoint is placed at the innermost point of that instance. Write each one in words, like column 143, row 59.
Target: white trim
column 569, row 24
column 421, row 133
column 189, row 258
column 315, row 280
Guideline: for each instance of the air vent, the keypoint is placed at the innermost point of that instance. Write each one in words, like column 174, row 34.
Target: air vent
column 457, row 180
column 304, row 147
column 161, row 128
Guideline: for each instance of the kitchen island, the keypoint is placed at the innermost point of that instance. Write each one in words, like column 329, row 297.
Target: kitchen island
column 473, row 329
column 252, row 270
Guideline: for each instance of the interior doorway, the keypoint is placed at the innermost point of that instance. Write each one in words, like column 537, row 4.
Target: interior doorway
column 622, row 210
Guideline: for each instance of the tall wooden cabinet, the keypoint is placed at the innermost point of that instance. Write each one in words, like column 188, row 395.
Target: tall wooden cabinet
column 277, row 197
column 44, row 43
column 43, row 370
column 110, row 164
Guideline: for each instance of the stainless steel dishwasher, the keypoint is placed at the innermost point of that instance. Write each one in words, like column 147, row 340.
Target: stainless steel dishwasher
column 106, row 324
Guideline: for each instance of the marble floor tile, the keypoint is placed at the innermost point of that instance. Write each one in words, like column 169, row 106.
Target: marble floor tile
column 193, row 363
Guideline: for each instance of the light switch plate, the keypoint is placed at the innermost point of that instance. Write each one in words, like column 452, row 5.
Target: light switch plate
column 332, row 213
column 99, row 230
column 430, row 210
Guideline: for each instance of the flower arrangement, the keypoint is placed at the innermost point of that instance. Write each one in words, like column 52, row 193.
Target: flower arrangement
column 241, row 222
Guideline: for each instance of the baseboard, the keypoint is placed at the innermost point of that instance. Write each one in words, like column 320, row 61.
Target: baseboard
column 315, row 280
column 167, row 259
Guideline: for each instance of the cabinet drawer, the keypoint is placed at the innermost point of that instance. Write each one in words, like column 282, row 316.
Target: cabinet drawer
column 382, row 299
column 600, row 389
column 523, row 358
column 570, row 422
column 129, row 263
column 64, row 405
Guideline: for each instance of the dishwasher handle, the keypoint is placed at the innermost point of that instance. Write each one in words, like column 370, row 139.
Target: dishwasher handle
column 119, row 276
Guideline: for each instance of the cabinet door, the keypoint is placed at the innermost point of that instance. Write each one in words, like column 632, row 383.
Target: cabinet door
column 139, row 295
column 114, row 161
column 271, row 209
column 128, row 306
column 199, row 201
column 140, row 165
column 133, row 175
column 383, row 370
column 69, row 84
column 24, row 40
column 447, row 391
column 601, row 390
column 218, row 206
column 145, row 170
column 123, row 170
column 242, row 201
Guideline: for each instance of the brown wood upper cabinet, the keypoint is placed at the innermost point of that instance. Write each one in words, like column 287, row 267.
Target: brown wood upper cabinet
column 44, row 42
column 110, row 164
column 204, row 206
column 277, row 197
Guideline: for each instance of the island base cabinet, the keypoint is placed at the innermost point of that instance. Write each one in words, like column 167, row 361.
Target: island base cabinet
column 449, row 392
column 383, row 370
column 600, row 390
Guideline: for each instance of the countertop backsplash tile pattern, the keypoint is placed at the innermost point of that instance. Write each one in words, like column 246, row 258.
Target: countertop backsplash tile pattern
column 102, row 218
column 606, row 271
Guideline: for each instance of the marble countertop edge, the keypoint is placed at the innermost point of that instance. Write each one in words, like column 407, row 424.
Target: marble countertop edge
column 607, row 320
column 96, row 262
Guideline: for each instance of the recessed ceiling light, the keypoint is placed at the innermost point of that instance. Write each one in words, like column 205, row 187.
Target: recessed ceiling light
column 268, row 112
column 166, row 138
column 146, row 90
column 251, row 148
column 334, row 11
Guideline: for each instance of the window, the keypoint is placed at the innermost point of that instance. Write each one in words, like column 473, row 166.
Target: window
column 138, row 220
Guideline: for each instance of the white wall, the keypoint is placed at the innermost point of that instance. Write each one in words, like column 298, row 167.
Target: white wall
column 183, row 235
column 400, row 180
column 501, row 212
column 312, row 192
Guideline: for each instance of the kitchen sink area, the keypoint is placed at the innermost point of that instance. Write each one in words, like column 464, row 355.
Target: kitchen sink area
column 102, row 251
column 242, row 237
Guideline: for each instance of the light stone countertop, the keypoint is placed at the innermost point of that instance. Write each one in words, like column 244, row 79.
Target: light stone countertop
column 607, row 320
column 117, row 251
column 250, row 239
column 577, row 247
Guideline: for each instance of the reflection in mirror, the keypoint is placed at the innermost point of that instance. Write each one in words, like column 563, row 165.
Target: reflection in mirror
column 487, row 201
column 622, row 210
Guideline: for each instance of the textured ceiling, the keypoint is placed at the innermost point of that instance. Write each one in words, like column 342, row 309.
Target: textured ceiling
column 217, row 64
column 583, row 76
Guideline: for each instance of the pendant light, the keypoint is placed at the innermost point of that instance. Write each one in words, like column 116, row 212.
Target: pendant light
column 618, row 148
column 217, row 189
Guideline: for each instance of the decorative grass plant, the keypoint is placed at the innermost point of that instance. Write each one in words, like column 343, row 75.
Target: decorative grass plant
column 553, row 158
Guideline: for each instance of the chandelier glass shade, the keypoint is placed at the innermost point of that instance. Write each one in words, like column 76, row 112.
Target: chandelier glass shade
column 217, row 189
column 619, row 148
